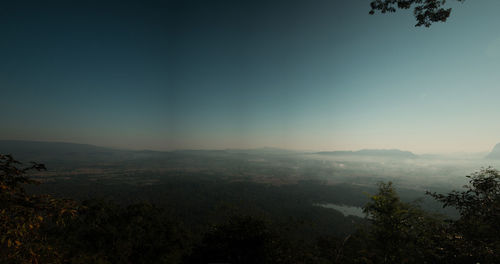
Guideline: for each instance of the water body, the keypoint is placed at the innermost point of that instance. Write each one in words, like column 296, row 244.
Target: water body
column 346, row 210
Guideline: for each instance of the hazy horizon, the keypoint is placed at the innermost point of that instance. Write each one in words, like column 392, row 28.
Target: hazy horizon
column 299, row 75
column 258, row 148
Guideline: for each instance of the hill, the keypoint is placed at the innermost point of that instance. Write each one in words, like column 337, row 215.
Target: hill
column 53, row 153
column 495, row 153
column 21, row 147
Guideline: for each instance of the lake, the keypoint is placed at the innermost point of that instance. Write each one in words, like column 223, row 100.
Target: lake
column 346, row 210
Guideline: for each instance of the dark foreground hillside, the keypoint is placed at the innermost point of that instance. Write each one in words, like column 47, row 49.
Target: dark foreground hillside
column 243, row 223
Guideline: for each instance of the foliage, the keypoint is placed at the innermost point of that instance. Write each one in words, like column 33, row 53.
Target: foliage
column 24, row 215
column 475, row 235
column 401, row 232
column 108, row 233
column 426, row 11
column 242, row 239
column 251, row 239
column 404, row 233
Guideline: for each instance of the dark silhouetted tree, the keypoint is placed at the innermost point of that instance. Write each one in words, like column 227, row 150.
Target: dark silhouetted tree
column 24, row 215
column 475, row 236
column 426, row 11
column 401, row 232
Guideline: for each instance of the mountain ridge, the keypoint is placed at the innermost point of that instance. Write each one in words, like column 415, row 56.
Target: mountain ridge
column 495, row 152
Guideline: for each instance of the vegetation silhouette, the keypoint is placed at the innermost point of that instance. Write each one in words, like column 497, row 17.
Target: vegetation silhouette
column 24, row 217
column 426, row 11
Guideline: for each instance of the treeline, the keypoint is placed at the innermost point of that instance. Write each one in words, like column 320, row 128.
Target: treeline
column 37, row 228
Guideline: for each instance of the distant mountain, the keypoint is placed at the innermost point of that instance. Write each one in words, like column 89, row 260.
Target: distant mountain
column 495, row 153
column 60, row 152
column 63, row 155
column 389, row 153
column 38, row 147
column 264, row 150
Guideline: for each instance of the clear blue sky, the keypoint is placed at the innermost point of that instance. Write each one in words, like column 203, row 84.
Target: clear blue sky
column 320, row 75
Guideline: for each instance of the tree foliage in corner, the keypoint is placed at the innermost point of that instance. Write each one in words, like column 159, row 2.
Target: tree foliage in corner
column 476, row 235
column 426, row 11
column 24, row 215
column 404, row 233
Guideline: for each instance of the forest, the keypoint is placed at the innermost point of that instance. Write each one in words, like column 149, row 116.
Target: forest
column 252, row 223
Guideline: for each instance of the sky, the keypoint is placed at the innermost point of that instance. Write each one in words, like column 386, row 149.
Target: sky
column 295, row 74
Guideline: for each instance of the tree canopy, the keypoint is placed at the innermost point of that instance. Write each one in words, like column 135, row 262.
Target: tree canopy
column 23, row 216
column 426, row 11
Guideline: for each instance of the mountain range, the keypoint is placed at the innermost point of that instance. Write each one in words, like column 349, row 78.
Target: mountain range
column 495, row 153
column 67, row 152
